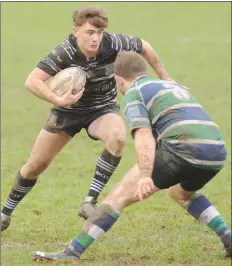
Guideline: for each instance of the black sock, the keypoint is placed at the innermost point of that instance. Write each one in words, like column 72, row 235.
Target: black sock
column 106, row 165
column 19, row 190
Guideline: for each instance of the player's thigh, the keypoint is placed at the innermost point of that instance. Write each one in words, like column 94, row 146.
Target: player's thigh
column 133, row 175
column 197, row 178
column 128, row 184
column 63, row 122
column 48, row 144
column 108, row 126
column 191, row 179
column 46, row 147
column 123, row 193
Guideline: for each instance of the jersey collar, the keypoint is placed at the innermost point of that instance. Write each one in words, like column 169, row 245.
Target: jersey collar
column 137, row 79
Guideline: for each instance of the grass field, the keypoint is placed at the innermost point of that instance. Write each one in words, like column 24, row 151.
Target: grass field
column 193, row 40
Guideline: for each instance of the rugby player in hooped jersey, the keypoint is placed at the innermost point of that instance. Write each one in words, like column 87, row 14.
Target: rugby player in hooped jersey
column 179, row 148
column 93, row 109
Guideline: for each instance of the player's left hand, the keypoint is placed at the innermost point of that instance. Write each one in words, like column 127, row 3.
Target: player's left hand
column 144, row 188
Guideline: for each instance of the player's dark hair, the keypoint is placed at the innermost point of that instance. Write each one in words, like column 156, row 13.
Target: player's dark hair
column 95, row 15
column 129, row 65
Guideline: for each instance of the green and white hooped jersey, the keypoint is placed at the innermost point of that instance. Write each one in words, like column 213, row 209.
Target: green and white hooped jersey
column 177, row 118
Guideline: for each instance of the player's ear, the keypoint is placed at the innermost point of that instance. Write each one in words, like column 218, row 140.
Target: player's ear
column 74, row 30
column 120, row 83
column 117, row 78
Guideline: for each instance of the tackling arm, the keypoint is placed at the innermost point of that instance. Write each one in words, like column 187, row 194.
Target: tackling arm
column 145, row 148
column 154, row 61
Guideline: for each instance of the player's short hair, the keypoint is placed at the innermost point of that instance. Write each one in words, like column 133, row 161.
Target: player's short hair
column 95, row 15
column 129, row 65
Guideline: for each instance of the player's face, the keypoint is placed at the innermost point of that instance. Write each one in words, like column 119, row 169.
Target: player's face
column 89, row 38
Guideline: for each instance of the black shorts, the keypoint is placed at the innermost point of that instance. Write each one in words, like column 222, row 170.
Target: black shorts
column 170, row 169
column 73, row 122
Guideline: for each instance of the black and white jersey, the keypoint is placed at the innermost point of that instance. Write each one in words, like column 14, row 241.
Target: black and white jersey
column 100, row 88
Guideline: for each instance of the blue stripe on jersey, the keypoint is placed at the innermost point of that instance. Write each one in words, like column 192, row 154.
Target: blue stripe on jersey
column 207, row 152
column 150, row 90
column 181, row 114
column 137, row 110
column 191, row 113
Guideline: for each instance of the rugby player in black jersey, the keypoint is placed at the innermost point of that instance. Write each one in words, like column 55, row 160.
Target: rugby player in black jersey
column 93, row 109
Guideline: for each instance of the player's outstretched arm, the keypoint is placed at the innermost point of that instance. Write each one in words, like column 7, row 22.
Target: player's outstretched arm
column 145, row 149
column 154, row 61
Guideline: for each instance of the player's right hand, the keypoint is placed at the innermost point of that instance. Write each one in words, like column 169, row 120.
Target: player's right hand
column 144, row 188
column 68, row 98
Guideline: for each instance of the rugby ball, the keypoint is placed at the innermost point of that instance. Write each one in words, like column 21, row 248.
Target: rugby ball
column 69, row 78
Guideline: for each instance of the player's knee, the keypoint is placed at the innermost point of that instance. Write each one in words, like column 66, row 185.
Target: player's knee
column 34, row 168
column 119, row 136
column 117, row 139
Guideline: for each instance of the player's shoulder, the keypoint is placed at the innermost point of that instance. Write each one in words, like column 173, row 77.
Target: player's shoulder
column 108, row 35
column 111, row 38
column 60, row 57
column 108, row 40
column 132, row 94
column 67, row 47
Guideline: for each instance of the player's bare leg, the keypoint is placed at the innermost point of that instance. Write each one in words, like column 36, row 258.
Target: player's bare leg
column 46, row 147
column 102, row 219
column 202, row 209
column 110, row 129
column 124, row 193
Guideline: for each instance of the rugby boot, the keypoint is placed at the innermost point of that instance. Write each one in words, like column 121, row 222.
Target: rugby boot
column 5, row 221
column 88, row 206
column 66, row 256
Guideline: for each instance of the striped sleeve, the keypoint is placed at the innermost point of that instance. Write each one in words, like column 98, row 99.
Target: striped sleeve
column 58, row 59
column 122, row 42
column 135, row 112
